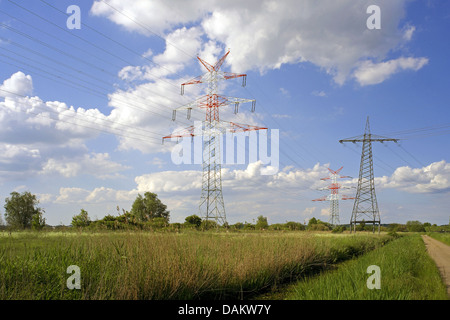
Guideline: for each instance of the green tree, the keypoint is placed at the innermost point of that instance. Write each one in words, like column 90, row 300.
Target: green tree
column 292, row 225
column 312, row 221
column 81, row 220
column 415, row 226
column 20, row 210
column 148, row 207
column 261, row 223
column 38, row 221
column 194, row 220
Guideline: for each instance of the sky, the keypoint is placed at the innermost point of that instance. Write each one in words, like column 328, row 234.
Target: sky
column 86, row 97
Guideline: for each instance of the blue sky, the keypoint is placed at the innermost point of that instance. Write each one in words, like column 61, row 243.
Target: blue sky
column 83, row 111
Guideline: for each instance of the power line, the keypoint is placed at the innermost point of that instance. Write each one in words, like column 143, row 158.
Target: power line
column 60, row 51
column 89, row 90
column 81, row 38
column 419, row 162
column 68, row 66
column 74, row 123
column 147, row 28
column 113, row 40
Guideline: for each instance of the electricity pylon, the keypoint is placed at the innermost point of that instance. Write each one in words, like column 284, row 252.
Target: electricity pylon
column 212, row 206
column 365, row 204
column 334, row 197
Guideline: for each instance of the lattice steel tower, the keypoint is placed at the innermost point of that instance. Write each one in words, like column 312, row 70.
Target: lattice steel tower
column 212, row 206
column 365, row 205
column 334, row 197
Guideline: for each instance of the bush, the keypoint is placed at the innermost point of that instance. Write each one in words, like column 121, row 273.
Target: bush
column 318, row 227
column 415, row 226
column 81, row 220
column 209, row 224
column 157, row 223
column 291, row 225
column 339, row 229
column 193, row 220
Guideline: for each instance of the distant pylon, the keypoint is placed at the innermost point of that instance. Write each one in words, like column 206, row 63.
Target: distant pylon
column 334, row 197
column 365, row 205
column 212, row 206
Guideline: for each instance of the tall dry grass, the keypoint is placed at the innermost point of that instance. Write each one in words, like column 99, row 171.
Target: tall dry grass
column 144, row 265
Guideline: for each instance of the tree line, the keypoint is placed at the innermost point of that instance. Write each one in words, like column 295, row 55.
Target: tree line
column 147, row 212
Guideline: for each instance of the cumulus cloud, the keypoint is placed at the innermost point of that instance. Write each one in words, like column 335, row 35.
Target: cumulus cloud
column 18, row 83
column 47, row 137
column 330, row 34
column 237, row 179
column 434, row 178
column 369, row 73
column 96, row 164
column 98, row 195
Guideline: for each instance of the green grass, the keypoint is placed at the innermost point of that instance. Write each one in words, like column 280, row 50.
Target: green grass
column 443, row 237
column 150, row 265
column 407, row 273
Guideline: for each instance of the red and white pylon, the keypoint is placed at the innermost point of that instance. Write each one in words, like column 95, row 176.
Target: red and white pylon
column 335, row 196
column 212, row 205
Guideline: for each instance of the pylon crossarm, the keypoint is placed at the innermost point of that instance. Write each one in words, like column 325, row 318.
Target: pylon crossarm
column 186, row 132
column 335, row 171
column 368, row 139
column 196, row 80
column 237, row 127
column 219, row 62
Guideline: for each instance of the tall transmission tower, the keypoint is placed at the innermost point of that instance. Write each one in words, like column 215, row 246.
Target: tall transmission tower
column 335, row 196
column 212, row 206
column 365, row 205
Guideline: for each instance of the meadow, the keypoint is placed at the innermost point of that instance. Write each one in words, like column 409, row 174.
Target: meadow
column 443, row 237
column 406, row 273
column 168, row 265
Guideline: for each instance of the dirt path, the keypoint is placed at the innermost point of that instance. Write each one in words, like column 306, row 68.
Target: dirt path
column 440, row 253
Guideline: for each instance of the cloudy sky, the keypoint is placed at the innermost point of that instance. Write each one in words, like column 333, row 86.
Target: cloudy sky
column 83, row 111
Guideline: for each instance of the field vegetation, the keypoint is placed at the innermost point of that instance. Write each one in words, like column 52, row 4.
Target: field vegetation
column 170, row 265
column 407, row 273
column 443, row 237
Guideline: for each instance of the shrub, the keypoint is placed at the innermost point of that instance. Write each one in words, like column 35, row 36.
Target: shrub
column 81, row 220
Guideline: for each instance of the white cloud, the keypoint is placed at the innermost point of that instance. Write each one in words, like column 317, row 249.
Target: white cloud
column 408, row 33
column 369, row 73
column 434, row 178
column 309, row 211
column 48, row 137
column 98, row 195
column 18, row 83
column 330, row 34
column 169, row 181
column 325, row 212
column 97, row 164
column 237, row 179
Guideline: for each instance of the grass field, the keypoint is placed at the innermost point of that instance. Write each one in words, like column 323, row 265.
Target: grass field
column 444, row 237
column 151, row 265
column 407, row 272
